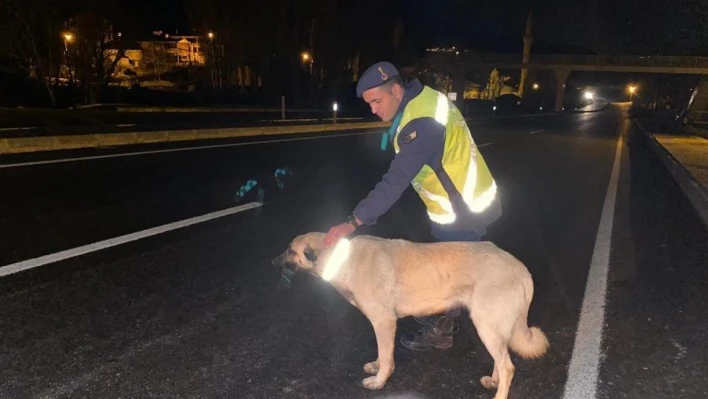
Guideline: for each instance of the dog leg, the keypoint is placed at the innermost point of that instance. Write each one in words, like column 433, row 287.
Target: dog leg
column 372, row 367
column 503, row 367
column 506, row 374
column 491, row 382
column 385, row 330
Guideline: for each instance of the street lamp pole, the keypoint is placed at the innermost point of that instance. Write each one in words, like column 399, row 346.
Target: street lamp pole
column 68, row 38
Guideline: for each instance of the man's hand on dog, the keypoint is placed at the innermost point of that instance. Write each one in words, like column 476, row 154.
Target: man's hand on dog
column 338, row 232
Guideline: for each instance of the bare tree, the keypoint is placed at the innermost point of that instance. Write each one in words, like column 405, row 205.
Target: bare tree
column 33, row 36
column 303, row 49
column 156, row 58
column 98, row 50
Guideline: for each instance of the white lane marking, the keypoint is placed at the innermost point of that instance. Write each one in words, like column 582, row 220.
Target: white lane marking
column 584, row 364
column 537, row 131
column 97, row 246
column 128, row 154
column 484, row 145
column 5, row 129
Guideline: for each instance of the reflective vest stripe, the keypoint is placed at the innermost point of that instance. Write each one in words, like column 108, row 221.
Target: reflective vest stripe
column 461, row 161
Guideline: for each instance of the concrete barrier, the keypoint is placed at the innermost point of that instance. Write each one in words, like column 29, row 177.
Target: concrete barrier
column 212, row 109
column 695, row 190
column 71, row 142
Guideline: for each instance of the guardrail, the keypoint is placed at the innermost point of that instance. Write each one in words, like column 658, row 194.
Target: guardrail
column 577, row 59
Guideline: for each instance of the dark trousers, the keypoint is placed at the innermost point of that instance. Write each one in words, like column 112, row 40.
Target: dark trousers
column 441, row 234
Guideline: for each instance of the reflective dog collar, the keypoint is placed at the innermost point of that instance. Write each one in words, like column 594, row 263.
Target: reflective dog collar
column 335, row 261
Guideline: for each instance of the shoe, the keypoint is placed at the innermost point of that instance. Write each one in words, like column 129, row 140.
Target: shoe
column 438, row 334
column 428, row 320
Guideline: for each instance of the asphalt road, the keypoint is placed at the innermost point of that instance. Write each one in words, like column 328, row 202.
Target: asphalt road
column 200, row 312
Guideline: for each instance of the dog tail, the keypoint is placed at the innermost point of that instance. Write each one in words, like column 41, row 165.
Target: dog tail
column 529, row 343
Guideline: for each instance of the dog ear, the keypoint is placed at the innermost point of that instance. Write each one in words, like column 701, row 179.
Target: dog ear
column 310, row 254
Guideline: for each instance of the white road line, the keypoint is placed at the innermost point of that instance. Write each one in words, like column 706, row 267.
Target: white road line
column 584, row 364
column 537, row 131
column 484, row 145
column 5, row 129
column 35, row 127
column 128, row 154
column 97, row 246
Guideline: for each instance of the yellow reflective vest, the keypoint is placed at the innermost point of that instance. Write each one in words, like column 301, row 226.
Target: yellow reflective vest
column 461, row 160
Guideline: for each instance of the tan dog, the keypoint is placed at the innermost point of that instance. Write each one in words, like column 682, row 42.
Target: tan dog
column 391, row 279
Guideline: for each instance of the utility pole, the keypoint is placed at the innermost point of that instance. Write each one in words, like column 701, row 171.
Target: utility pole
column 528, row 40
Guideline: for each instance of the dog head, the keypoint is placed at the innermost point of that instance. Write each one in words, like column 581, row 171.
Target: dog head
column 302, row 253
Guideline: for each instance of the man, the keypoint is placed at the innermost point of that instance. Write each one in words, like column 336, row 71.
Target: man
column 436, row 154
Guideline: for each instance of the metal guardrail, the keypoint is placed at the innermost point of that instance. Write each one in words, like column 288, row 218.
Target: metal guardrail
column 570, row 59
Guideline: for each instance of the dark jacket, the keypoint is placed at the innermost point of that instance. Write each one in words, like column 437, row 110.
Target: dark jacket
column 426, row 148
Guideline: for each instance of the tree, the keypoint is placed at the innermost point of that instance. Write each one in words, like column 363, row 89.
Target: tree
column 494, row 86
column 97, row 51
column 32, row 33
column 271, row 36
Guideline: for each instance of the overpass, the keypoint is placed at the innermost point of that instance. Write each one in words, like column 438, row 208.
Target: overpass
column 456, row 62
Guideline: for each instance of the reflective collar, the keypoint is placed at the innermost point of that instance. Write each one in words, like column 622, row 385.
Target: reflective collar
column 336, row 260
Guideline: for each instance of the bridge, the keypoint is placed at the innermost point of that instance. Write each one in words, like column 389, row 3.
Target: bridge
column 456, row 62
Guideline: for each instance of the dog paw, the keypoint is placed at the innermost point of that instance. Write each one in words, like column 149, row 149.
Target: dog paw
column 373, row 383
column 489, row 383
column 372, row 367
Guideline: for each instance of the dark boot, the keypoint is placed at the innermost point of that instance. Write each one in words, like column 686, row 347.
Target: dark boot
column 425, row 320
column 438, row 334
column 428, row 320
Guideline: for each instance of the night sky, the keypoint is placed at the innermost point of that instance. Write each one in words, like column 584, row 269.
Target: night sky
column 667, row 27
column 670, row 27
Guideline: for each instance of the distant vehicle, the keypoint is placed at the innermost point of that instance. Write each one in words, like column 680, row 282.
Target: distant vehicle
column 508, row 104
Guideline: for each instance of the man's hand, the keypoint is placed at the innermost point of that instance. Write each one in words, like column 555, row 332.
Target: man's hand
column 338, row 232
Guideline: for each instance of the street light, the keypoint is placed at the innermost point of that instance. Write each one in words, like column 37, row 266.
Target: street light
column 68, row 38
column 535, row 86
column 211, row 35
column 632, row 89
column 307, row 59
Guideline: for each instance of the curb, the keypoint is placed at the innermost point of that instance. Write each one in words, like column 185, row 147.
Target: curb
column 17, row 145
column 207, row 109
column 72, row 142
column 696, row 193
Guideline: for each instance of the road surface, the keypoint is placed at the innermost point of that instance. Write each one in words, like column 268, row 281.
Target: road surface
column 198, row 311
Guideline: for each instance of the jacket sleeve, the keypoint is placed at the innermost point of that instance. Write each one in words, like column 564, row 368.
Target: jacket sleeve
column 420, row 142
